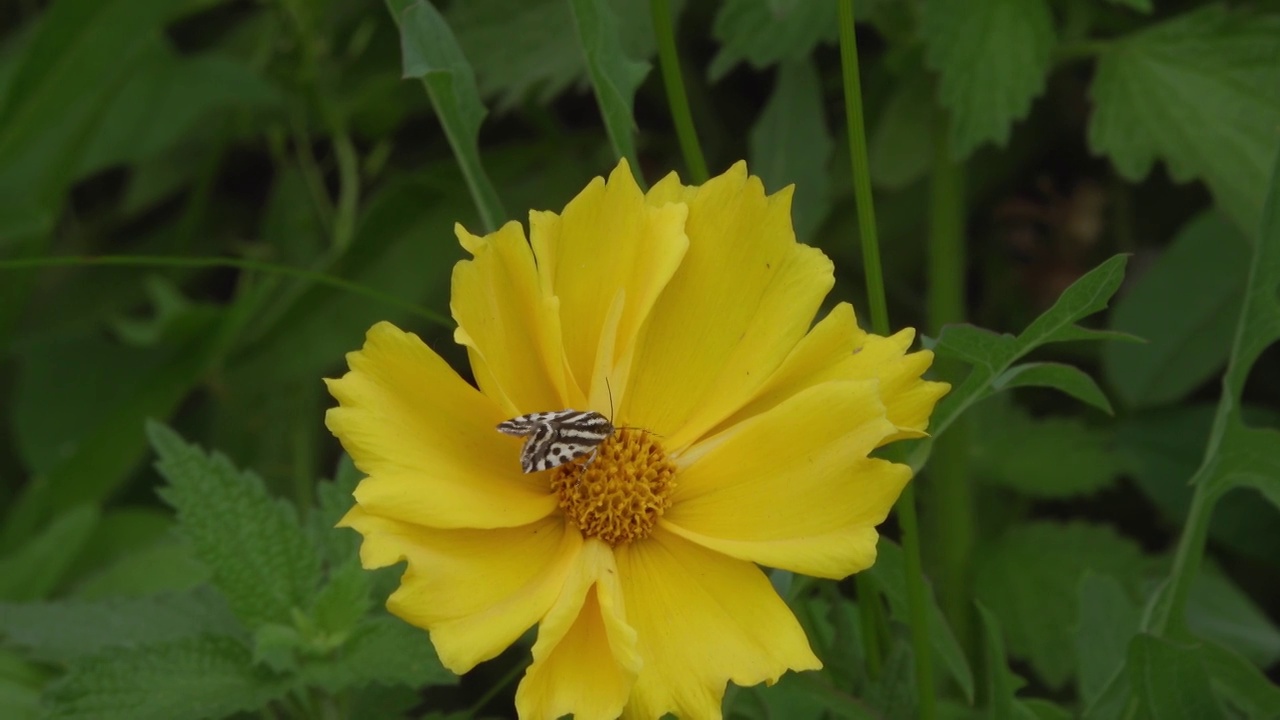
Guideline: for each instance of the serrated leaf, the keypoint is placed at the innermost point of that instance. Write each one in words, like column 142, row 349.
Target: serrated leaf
column 203, row 677
column 1067, row 378
column 1170, row 680
column 764, row 35
column 34, row 569
column 432, row 55
column 1025, row 454
column 1028, row 579
column 1106, row 620
column 889, row 575
column 791, row 145
column 333, row 500
column 894, row 693
column 67, row 630
column 992, row 57
column 252, row 543
column 1185, row 305
column 383, row 650
column 343, row 602
column 169, row 565
column 1201, row 92
column 614, row 76
column 277, row 647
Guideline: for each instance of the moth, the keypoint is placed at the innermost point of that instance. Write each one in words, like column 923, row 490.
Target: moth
column 555, row 438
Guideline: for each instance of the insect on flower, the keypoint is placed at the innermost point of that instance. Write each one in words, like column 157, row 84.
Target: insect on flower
column 555, row 438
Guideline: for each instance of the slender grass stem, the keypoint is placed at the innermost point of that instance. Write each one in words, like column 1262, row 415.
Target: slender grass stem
column 214, row 262
column 673, row 80
column 906, row 507
column 950, row 522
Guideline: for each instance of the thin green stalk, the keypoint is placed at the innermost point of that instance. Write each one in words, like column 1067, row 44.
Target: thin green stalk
column 673, row 79
column 906, row 507
column 495, row 688
column 861, row 173
column 213, row 262
column 951, row 516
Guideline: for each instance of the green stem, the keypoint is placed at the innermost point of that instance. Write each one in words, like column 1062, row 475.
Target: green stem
column 1169, row 612
column 673, row 79
column 951, row 503
column 906, row 507
column 213, row 262
column 861, row 174
column 495, row 688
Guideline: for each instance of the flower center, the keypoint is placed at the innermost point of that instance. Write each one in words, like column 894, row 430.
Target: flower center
column 620, row 495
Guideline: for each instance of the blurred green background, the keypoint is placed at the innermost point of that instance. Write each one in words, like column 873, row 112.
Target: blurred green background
column 251, row 155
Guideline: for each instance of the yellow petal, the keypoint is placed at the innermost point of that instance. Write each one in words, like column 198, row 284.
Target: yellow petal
column 745, row 293
column 511, row 329
column 837, row 349
column 585, row 659
column 793, row 488
column 426, row 439
column 608, row 252
column 702, row 619
column 476, row 591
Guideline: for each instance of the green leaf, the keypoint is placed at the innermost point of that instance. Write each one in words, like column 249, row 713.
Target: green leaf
column 763, row 36
column 342, row 603
column 1143, row 6
column 1024, row 453
column 80, row 53
column 1185, row 305
column 1240, row 682
column 1106, row 621
column 614, row 76
column 992, row 57
column 1067, row 378
column 1001, row 682
column 202, row 677
column 35, row 569
column 900, row 149
column 333, row 500
column 259, row 556
column 889, row 576
column 382, row 650
column 791, row 145
column 1170, row 680
column 432, row 55
column 992, row 354
column 1220, row 612
column 67, row 630
column 1200, row 91
column 1029, row 577
column 20, row 685
column 894, row 693
column 168, row 565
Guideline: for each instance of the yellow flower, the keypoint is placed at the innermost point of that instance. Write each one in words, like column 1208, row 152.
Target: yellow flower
column 743, row 439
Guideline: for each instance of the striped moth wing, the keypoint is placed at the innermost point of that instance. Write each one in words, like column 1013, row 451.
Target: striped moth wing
column 555, row 438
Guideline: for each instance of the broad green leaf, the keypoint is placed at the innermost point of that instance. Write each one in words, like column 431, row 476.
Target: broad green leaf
column 1001, row 682
column 1239, row 681
column 20, row 684
column 889, row 575
column 1029, row 578
column 80, row 53
column 1201, row 92
column 1024, row 453
column 1106, row 620
column 992, row 57
column 791, row 145
column 202, row 677
column 1143, row 6
column 900, row 149
column 67, row 630
column 1161, row 450
column 894, row 693
column 763, row 36
column 259, row 556
column 1185, row 305
column 1067, row 378
column 1037, row 709
column 614, row 76
column 333, row 500
column 1170, row 680
column 33, row 570
column 383, row 650
column 1219, row 612
column 432, row 55
column 342, row 603
column 168, row 565
column 991, row 354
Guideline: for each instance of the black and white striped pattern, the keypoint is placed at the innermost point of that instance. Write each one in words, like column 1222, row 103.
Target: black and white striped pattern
column 555, row 438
